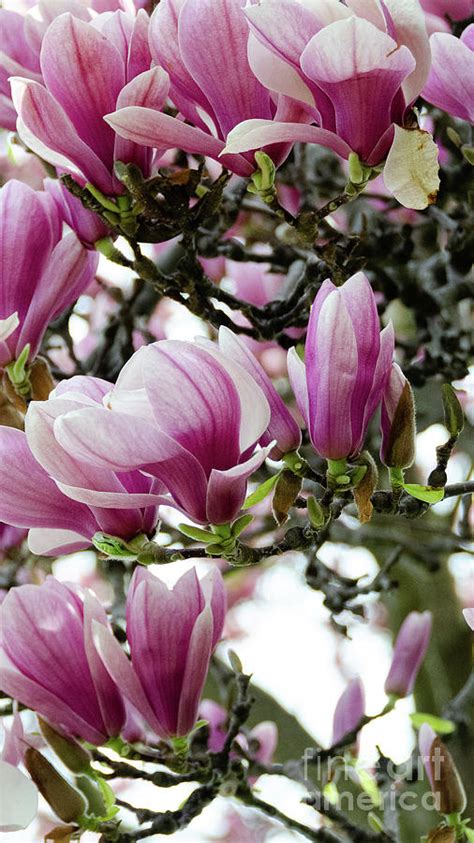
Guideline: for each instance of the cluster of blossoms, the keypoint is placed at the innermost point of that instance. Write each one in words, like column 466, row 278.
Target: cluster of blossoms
column 92, row 85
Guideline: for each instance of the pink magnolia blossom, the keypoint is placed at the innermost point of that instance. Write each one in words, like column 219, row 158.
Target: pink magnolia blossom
column 357, row 68
column 194, row 40
column 349, row 711
column 40, row 273
column 50, row 664
column 410, row 649
column 347, row 364
column 37, row 477
column 449, row 84
column 172, row 634
column 195, row 419
column 88, row 70
column 397, row 421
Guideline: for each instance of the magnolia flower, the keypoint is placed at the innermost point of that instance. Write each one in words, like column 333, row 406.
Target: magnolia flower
column 195, row 419
column 346, row 368
column 410, row 649
column 50, row 664
column 357, row 69
column 193, row 41
column 349, row 711
column 40, row 274
column 88, row 70
column 443, row 777
column 36, row 476
column 172, row 634
column 449, row 84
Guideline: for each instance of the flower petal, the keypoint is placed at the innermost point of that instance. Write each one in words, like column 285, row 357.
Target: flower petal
column 227, row 489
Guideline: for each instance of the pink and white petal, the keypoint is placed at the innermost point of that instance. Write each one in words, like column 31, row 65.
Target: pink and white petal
column 255, row 134
column 85, row 73
column 410, row 30
column 281, row 425
column 180, row 371
column 160, row 131
column 121, row 671
column 149, row 90
column 47, row 542
column 254, row 406
column 226, row 490
column 382, row 372
column 214, row 591
column 195, row 672
column 46, row 129
column 139, row 55
column 108, row 694
column 85, row 388
column 449, row 83
column 297, row 378
column 276, row 73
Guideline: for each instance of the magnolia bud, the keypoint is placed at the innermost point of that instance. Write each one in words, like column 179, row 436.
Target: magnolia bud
column 409, row 651
column 398, row 421
column 65, row 801
column 366, row 487
column 443, row 834
column 442, row 773
column 453, row 412
column 287, row 489
column 69, row 751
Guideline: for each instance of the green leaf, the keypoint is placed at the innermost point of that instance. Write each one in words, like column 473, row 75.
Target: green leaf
column 469, row 832
column 261, row 492
column 441, row 726
column 424, row 493
column 239, row 526
column 330, row 793
column 375, row 822
column 198, row 534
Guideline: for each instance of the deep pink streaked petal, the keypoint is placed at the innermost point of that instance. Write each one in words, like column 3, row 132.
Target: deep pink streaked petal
column 150, row 90
column 70, row 270
column 29, row 497
column 213, row 589
column 46, row 129
column 449, row 84
column 409, row 651
column 331, row 378
column 227, row 489
column 121, row 671
column 360, row 70
column 426, row 737
column 381, row 374
column 209, row 40
column 160, row 131
column 163, row 36
column 139, row 55
column 84, row 71
column 195, row 672
column 282, row 426
column 360, row 302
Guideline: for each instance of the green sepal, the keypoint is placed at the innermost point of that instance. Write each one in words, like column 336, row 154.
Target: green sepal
column 263, row 179
column 102, row 198
column 438, row 724
column 424, row 493
column 117, row 548
column 330, row 792
column 240, row 524
column 17, row 372
column 198, row 534
column 261, row 491
column 316, row 515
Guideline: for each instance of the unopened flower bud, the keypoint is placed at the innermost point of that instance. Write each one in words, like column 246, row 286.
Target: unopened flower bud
column 443, row 776
column 68, row 750
column 287, row 489
column 398, row 421
column 453, row 412
column 64, row 799
column 409, row 651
